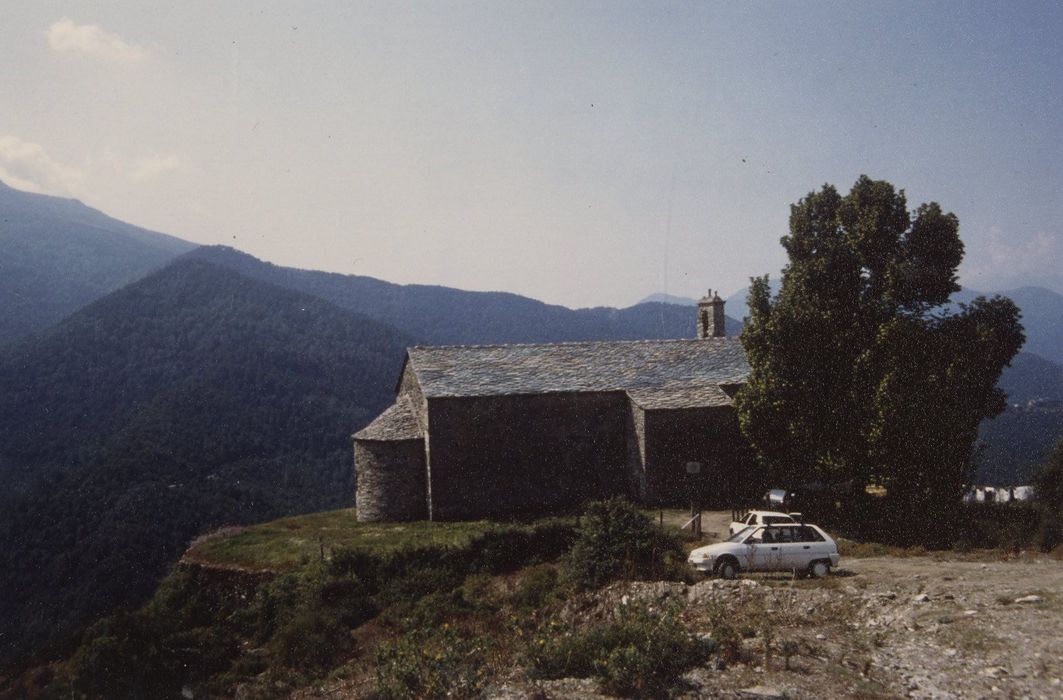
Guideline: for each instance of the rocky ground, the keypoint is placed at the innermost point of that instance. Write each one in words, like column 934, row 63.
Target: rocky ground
column 932, row 626
column 919, row 627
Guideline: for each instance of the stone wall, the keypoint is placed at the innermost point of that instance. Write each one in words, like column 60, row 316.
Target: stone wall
column 708, row 435
column 638, row 487
column 391, row 480
column 409, row 387
column 528, row 453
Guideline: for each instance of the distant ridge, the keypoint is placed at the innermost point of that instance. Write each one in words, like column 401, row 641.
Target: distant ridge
column 56, row 255
column 661, row 298
column 446, row 316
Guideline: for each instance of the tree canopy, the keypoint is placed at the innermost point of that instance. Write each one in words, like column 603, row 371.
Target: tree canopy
column 861, row 370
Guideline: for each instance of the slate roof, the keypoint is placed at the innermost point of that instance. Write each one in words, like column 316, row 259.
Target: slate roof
column 655, row 373
column 396, row 423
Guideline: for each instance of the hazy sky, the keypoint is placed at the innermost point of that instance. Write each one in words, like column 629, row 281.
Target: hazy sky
column 580, row 153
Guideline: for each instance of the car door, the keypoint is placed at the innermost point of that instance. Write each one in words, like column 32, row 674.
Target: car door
column 810, row 546
column 756, row 552
column 768, row 551
column 792, row 552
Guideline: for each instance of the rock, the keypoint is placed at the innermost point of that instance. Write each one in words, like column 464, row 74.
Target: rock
column 762, row 692
column 921, row 599
column 1029, row 599
column 994, row 671
column 821, row 636
column 950, row 652
column 969, row 613
column 749, row 583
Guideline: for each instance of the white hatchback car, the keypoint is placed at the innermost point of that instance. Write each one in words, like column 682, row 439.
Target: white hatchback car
column 760, row 517
column 788, row 547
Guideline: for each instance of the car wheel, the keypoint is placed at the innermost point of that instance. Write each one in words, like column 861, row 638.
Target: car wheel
column 819, row 569
column 727, row 569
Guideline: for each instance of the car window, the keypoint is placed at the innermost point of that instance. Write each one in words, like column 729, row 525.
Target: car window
column 748, row 520
column 807, row 534
column 740, row 535
column 784, row 534
column 770, row 519
column 757, row 537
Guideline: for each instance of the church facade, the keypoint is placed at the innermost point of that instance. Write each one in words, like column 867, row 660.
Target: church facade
column 493, row 430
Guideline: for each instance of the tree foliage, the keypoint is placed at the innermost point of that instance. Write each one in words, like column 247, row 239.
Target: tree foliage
column 1048, row 492
column 861, row 371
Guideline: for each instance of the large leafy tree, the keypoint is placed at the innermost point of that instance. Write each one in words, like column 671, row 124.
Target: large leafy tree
column 861, row 370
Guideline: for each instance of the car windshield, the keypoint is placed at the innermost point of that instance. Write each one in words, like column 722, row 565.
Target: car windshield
column 740, row 535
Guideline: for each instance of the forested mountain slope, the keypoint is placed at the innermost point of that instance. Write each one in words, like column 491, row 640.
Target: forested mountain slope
column 56, row 255
column 191, row 399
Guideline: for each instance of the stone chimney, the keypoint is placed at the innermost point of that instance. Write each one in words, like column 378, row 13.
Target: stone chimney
column 711, row 322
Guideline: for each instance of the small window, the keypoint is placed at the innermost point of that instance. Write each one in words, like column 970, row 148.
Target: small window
column 750, row 519
column 784, row 534
column 771, row 519
column 807, row 534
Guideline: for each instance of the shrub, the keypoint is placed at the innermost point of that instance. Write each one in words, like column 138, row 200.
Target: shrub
column 348, row 599
column 615, row 541
column 430, row 611
column 536, row 589
column 725, row 634
column 271, row 607
column 1048, row 494
column 432, row 664
column 641, row 654
column 312, row 639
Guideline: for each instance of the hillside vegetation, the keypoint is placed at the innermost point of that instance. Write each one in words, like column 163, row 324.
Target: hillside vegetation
column 192, row 399
column 411, row 611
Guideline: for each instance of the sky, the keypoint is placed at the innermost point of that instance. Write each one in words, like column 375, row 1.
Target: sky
column 582, row 153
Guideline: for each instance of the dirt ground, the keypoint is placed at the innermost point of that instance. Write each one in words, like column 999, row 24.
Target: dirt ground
column 935, row 626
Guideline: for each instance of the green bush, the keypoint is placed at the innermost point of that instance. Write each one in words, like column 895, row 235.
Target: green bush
column 1048, row 495
column 540, row 584
column 617, row 541
column 348, row 599
column 641, row 654
column 133, row 655
column 725, row 634
column 432, row 664
column 311, row 640
column 271, row 607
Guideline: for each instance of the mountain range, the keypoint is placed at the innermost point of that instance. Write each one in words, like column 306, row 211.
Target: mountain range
column 58, row 255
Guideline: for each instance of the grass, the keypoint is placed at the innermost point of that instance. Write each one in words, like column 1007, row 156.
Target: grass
column 283, row 545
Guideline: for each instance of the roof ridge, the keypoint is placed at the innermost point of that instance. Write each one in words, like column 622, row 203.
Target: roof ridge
column 644, row 341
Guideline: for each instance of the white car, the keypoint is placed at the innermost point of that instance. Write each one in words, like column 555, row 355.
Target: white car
column 802, row 548
column 760, row 517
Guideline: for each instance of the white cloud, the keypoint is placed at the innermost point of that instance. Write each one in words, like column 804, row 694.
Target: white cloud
column 1004, row 259
column 1030, row 252
column 92, row 40
column 27, row 166
column 148, row 168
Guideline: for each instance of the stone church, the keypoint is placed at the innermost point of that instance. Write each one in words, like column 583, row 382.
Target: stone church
column 491, row 430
